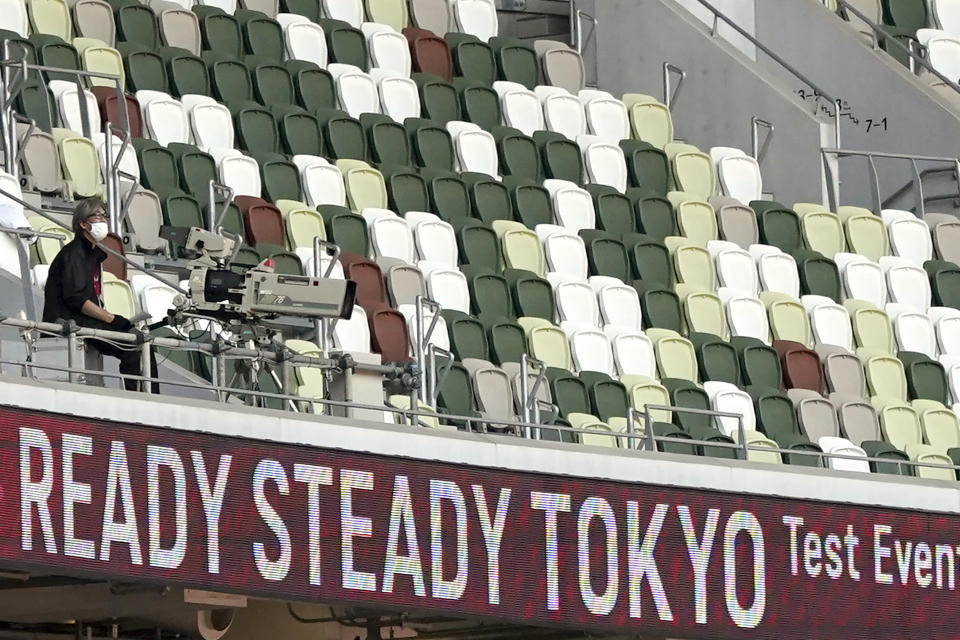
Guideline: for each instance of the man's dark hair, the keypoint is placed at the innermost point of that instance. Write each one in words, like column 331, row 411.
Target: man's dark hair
column 86, row 208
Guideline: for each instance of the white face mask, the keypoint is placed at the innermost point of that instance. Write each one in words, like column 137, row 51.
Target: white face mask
column 99, row 230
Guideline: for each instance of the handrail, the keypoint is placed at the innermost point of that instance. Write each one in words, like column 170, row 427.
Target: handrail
column 783, row 63
column 759, row 151
column 924, row 174
column 871, row 157
column 518, row 427
column 879, row 33
column 669, row 93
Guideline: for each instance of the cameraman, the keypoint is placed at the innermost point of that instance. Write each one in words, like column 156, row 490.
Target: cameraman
column 74, row 290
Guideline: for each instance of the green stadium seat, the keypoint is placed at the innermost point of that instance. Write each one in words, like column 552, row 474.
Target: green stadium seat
column 300, row 133
column 186, row 73
column 660, row 306
column 518, row 153
column 262, row 36
column 472, row 58
column 406, row 189
column 51, row 51
column 478, row 244
column 431, row 144
column 779, row 226
column 560, row 157
column 229, row 80
column 818, row 275
column 439, row 100
column 759, row 363
column 468, row 337
column 345, row 229
column 387, row 140
column 777, row 419
column 345, row 44
column 489, row 198
column 717, row 359
column 255, row 128
column 313, row 86
column 449, row 197
column 654, row 215
column 35, row 102
column 606, row 255
column 219, row 31
column 516, row 61
column 531, row 202
column 687, row 394
column 944, row 282
column 272, row 83
column 137, row 23
column 158, row 167
column 145, row 69
column 489, row 292
column 613, row 209
column 507, row 341
column 343, row 136
column 196, row 169
column 479, row 103
column 455, row 395
column 926, row 379
column 532, row 295
column 280, row 178
column 648, row 168
column 649, row 259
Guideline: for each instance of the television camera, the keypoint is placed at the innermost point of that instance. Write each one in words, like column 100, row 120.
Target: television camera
column 256, row 294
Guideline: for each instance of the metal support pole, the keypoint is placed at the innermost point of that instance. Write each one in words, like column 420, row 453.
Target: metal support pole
column 648, row 429
column 145, row 368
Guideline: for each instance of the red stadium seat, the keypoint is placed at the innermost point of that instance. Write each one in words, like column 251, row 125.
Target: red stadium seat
column 429, row 53
column 388, row 333
column 113, row 264
column 111, row 111
column 263, row 221
column 371, row 291
column 801, row 366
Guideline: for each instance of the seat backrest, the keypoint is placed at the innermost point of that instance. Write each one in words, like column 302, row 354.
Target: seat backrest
column 429, row 53
column 389, row 335
column 561, row 65
column 431, row 15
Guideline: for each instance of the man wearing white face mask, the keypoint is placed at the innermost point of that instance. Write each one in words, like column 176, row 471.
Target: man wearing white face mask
column 74, row 289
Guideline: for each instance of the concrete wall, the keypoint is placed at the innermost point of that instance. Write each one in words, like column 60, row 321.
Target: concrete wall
column 722, row 91
column 833, row 55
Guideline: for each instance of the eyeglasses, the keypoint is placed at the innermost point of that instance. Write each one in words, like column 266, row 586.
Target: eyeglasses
column 97, row 217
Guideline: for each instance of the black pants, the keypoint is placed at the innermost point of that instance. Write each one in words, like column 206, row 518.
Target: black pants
column 129, row 363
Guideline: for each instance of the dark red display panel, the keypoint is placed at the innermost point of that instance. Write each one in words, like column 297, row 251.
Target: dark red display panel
column 314, row 524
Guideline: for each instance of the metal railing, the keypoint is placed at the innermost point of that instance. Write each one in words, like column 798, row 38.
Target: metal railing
column 911, row 49
column 872, row 156
column 632, row 438
column 21, row 237
column 796, row 73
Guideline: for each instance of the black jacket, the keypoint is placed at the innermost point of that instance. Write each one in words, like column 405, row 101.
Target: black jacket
column 70, row 283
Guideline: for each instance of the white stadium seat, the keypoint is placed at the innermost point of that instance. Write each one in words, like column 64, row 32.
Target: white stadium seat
column 909, row 236
column 438, row 337
column 562, row 111
column 399, row 97
column 476, row 17
column 946, row 324
column 575, row 300
column 906, row 282
column 356, row 90
column 606, row 116
column 734, row 266
column 386, row 48
column 353, row 334
column 434, row 239
column 589, row 348
column 738, row 174
column 164, row 118
column 842, row 446
column 322, row 182
column 862, row 278
column 350, row 11
column 69, row 106
column 633, row 352
column 237, row 171
column 390, row 235
column 447, row 286
column 476, row 150
column 728, row 398
column 912, row 329
column 520, row 107
column 604, row 162
column 746, row 314
column 564, row 250
column 211, row 123
column 777, row 270
column 572, row 205
column 829, row 321
column 303, row 39
column 619, row 303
